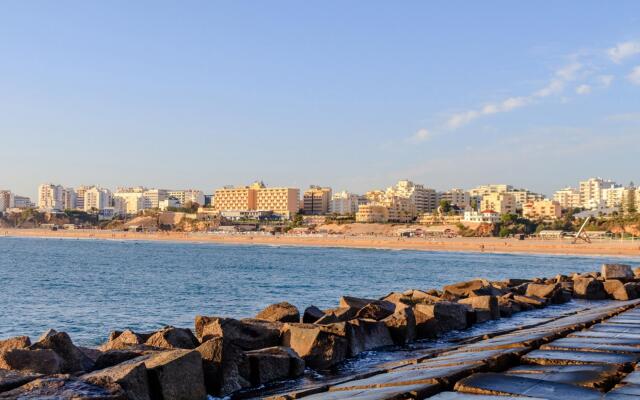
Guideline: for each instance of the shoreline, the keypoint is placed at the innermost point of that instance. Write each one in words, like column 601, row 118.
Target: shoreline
column 465, row 245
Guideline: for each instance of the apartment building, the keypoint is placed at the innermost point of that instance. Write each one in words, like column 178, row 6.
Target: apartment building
column 97, row 198
column 344, row 203
column 484, row 190
column 372, row 213
column 80, row 190
column 542, row 209
column 400, row 209
column 316, row 200
column 50, row 197
column 591, row 192
column 22, row 202
column 568, row 198
column 187, row 196
column 424, row 199
column 502, row 203
column 69, row 199
column 283, row 201
column 6, row 200
column 481, row 217
column 456, row 197
column 130, row 200
column 153, row 197
column 524, row 196
column 374, row 196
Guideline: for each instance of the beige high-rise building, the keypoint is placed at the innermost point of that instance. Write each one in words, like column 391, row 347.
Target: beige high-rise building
column 484, row 190
column 591, row 192
column 316, row 200
column 80, row 190
column 424, row 199
column 372, row 213
column 568, row 198
column 97, row 199
column 456, row 197
column 130, row 201
column 400, row 209
column 375, row 196
column 6, row 200
column 502, row 203
column 50, row 197
column 282, row 201
column 542, row 209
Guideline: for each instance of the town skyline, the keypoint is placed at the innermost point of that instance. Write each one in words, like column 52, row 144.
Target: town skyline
column 336, row 95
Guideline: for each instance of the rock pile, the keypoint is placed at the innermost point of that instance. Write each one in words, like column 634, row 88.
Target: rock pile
column 224, row 355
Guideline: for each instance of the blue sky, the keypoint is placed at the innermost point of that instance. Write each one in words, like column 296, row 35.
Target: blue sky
column 354, row 95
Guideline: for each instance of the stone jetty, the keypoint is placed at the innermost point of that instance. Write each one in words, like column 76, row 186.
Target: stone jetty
column 588, row 354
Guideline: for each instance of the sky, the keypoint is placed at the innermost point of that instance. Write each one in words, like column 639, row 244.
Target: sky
column 353, row 95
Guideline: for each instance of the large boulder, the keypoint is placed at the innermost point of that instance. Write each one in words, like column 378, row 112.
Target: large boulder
column 226, row 367
column 110, row 358
column 618, row 290
column 37, row 361
column 374, row 311
column 418, row 296
column 273, row 364
column 335, row 315
column 12, row 379
column 122, row 340
column 617, row 271
column 312, row 314
column 365, row 335
column 589, row 288
column 485, row 307
column 398, row 299
column 401, row 325
column 552, row 291
column 16, row 342
column 248, row 334
column 280, row 312
column 319, row 346
column 176, row 374
column 476, row 287
column 170, row 337
column 130, row 376
column 529, row 302
column 435, row 319
column 73, row 359
column 63, row 387
column 358, row 303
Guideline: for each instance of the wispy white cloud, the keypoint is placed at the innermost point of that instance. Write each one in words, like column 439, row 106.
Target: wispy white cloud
column 421, row 135
column 634, row 76
column 625, row 117
column 623, row 50
column 583, row 89
column 580, row 70
column 555, row 86
column 605, row 80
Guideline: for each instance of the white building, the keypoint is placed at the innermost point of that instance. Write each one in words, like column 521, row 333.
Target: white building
column 169, row 202
column 132, row 200
column 50, row 197
column 97, row 199
column 344, row 203
column 153, row 197
column 425, row 199
column 482, row 217
column 6, row 200
column 69, row 199
column 456, row 197
column 591, row 192
column 568, row 198
column 187, row 196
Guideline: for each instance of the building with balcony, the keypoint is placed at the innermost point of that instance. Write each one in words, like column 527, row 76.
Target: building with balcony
column 316, row 200
column 542, row 209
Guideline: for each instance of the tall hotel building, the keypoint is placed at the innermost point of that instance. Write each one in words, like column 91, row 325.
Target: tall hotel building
column 257, row 197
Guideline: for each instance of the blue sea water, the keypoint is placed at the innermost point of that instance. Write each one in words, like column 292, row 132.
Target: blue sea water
column 90, row 287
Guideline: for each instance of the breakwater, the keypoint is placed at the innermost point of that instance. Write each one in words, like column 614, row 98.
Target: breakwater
column 225, row 356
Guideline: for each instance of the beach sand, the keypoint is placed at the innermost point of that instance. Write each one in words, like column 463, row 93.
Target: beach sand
column 604, row 247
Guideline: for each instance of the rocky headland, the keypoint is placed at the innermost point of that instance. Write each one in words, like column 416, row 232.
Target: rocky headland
column 224, row 356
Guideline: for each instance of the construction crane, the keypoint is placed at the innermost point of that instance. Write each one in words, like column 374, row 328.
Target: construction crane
column 581, row 233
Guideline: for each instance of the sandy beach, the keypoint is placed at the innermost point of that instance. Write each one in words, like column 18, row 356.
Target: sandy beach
column 488, row 245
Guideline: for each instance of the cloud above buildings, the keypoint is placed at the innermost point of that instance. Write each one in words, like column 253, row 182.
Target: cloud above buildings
column 634, row 76
column 624, row 50
column 579, row 72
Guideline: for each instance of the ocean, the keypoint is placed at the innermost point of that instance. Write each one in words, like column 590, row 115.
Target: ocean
column 90, row 287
